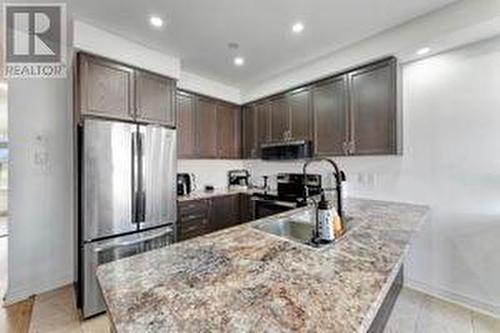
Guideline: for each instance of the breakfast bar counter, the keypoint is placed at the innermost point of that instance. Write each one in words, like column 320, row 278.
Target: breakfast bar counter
column 243, row 279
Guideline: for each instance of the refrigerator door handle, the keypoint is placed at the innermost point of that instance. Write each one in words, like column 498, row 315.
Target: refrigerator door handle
column 141, row 193
column 134, row 175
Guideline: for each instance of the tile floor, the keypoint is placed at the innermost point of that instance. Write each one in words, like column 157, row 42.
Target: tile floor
column 415, row 312
column 55, row 312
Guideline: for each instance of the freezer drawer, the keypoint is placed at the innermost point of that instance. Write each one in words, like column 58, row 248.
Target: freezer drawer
column 101, row 252
column 108, row 185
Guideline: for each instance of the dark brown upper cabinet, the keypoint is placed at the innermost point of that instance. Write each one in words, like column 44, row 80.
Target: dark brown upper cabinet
column 154, row 99
column 299, row 103
column 354, row 113
column 263, row 122
column 106, row 89
column 206, row 128
column 228, row 131
column 280, row 118
column 250, row 145
column 330, row 112
column 373, row 109
column 115, row 91
column 186, row 106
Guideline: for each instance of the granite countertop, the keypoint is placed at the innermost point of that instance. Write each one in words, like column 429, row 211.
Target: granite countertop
column 242, row 279
column 217, row 192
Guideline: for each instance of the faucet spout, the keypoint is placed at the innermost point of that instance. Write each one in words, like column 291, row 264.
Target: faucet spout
column 338, row 185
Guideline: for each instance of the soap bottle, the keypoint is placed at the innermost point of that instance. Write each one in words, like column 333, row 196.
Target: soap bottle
column 326, row 219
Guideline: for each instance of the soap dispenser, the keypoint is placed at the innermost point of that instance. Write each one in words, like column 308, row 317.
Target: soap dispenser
column 326, row 219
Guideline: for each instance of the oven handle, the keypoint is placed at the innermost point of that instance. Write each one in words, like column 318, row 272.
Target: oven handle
column 134, row 242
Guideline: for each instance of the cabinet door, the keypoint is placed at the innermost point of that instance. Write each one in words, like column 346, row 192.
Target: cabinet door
column 299, row 103
column 106, row 88
column 249, row 132
column 225, row 212
column 206, row 128
column 154, row 99
column 246, row 213
column 330, row 110
column 186, row 104
column 374, row 109
column 280, row 119
column 227, row 131
column 193, row 218
column 263, row 123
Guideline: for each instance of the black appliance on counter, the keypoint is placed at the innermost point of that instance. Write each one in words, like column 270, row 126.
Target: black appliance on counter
column 185, row 183
column 287, row 150
column 238, row 179
column 289, row 195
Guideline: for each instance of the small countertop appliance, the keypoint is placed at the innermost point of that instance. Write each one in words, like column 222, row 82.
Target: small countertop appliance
column 185, row 183
column 238, row 179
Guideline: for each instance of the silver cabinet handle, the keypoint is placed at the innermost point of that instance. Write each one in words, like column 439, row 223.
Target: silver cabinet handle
column 345, row 147
column 352, row 147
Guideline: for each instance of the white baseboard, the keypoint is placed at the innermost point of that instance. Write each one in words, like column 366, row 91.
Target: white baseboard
column 22, row 293
column 489, row 309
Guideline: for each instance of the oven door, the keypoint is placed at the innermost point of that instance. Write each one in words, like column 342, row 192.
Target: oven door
column 101, row 252
column 264, row 208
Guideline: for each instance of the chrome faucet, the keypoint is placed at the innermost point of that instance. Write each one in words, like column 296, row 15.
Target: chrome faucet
column 338, row 186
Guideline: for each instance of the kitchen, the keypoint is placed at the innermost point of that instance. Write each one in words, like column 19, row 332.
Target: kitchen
column 231, row 186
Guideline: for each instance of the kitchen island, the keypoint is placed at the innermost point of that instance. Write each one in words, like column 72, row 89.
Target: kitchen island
column 242, row 279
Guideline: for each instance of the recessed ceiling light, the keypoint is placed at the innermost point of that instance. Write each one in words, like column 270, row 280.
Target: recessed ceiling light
column 298, row 27
column 239, row 61
column 423, row 51
column 156, row 21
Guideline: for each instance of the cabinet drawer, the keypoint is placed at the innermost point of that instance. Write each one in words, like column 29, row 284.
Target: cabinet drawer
column 192, row 228
column 188, row 209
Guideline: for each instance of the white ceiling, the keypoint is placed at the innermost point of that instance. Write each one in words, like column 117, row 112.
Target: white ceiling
column 197, row 31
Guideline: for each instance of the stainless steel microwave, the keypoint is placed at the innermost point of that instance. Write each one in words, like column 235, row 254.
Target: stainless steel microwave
column 288, row 150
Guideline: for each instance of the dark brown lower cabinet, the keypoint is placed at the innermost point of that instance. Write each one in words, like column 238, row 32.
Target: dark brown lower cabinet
column 193, row 218
column 200, row 217
column 225, row 212
column 247, row 208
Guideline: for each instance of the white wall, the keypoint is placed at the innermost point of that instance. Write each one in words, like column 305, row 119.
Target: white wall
column 209, row 172
column 196, row 83
column 91, row 39
column 3, row 108
column 40, row 195
column 451, row 130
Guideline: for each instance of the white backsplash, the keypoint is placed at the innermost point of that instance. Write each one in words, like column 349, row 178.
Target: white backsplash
column 209, row 172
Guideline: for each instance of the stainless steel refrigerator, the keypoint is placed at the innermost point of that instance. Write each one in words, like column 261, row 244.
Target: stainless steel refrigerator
column 127, row 197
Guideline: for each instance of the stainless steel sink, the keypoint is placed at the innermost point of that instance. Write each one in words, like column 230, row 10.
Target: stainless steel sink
column 298, row 228
column 294, row 230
